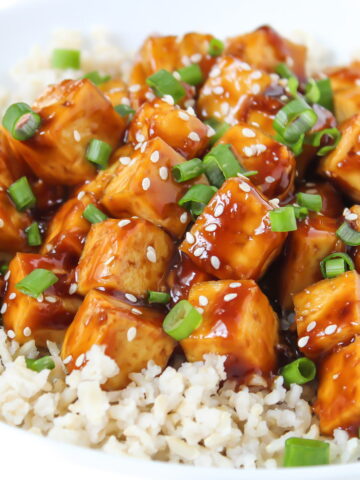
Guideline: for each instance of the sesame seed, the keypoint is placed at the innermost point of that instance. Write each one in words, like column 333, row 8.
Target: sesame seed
column 3, row 308
column 139, row 137
column 12, row 296
column 256, row 75
column 199, row 251
column 2, row 223
column 200, row 310
column 77, row 136
column 151, row 254
column 269, row 179
column 136, row 311
column 80, row 360
column 351, row 216
column 183, row 115
column 191, row 111
column 80, row 195
column 124, row 222
column 131, row 334
column 143, row 147
column 225, row 108
column 303, row 341
column 164, row 173
column 146, row 183
column 27, row 331
column 255, row 89
column 218, row 90
column 190, row 237
column 229, row 297
column 203, row 301
column 235, row 285
column 109, row 260
column 7, row 275
column 194, row 136
column 11, row 334
column 248, row 151
column 335, row 376
column 330, row 329
column 50, row 299
column 73, row 288
column 149, row 96
column 184, row 217
column 245, row 187
column 260, row 148
column 215, row 72
column 168, row 99
column 67, row 359
column 155, row 156
column 211, row 227
column 177, row 75
column 130, row 297
column 124, row 160
column 196, row 57
column 134, row 88
column 274, row 202
column 40, row 298
column 215, row 262
column 210, row 131
column 247, row 132
column 219, row 210
column 311, row 326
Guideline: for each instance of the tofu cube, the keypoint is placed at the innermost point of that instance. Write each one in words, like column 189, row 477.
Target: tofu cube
column 345, row 82
column 73, row 113
column 328, row 313
column 232, row 238
column 257, row 151
column 131, row 336
column 116, row 91
column 131, row 255
column 42, row 319
column 238, row 322
column 147, row 189
column 338, row 396
column 13, row 224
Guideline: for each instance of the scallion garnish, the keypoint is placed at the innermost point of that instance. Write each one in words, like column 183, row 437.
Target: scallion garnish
column 310, row 201
column 37, row 282
column 300, row 371
column 303, row 452
column 320, row 92
column 158, row 297
column 33, row 235
column 220, row 164
column 21, row 121
column 188, row 170
column 191, row 74
column 63, row 58
column 293, row 83
column 3, row 269
column 124, row 110
column 164, row 83
column 216, row 47
column 348, row 235
column 96, row 78
column 98, row 152
column 21, row 194
column 93, row 214
column 301, row 212
column 39, row 364
column 220, row 129
column 336, row 264
column 182, row 320
column 294, row 120
column 283, row 219
column 316, row 139
column 196, row 198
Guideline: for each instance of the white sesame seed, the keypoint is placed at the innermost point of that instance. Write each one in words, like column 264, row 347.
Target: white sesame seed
column 40, row 298
column 269, row 179
column 168, row 99
column 164, row 173
column 80, row 195
column 199, row 251
column 311, row 326
column 215, row 72
column 130, row 297
column 151, row 254
column 77, row 136
column 330, row 329
column 203, row 301
column 210, row 131
column 2, row 223
column 351, row 216
column 247, row 132
column 211, row 227
column 218, row 90
column 73, row 288
column 131, row 334
column 245, row 187
column 256, row 74
column 67, row 359
column 12, row 296
column 225, row 108
column 124, row 222
column 80, row 360
column 27, row 332
column 155, row 156
column 191, row 111
column 249, row 151
column 219, row 210
column 274, row 202
column 146, row 183
column 109, row 260
column 134, row 88
column 194, row 136
column 139, row 137
column 259, row 148
column 150, row 96
column 136, row 311
column 190, row 237
column 215, row 262
column 7, row 275
column 177, row 75
column 143, row 147
column 335, row 376
column 196, row 57
column 184, row 217
column 11, row 334
column 303, row 341
column 183, row 115
column 235, row 285
column 200, row 310
column 229, row 297
column 255, row 89
column 50, row 299
column 3, row 308
column 124, row 160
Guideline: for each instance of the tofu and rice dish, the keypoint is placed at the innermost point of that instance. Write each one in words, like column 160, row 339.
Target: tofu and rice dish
column 180, row 250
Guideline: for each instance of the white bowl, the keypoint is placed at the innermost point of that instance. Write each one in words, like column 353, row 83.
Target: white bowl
column 334, row 23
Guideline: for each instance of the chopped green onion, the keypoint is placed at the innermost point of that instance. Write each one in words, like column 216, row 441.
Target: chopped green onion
column 21, row 121
column 249, row 173
column 220, row 129
column 124, row 110
column 188, row 170
column 216, row 47
column 299, row 371
column 283, row 219
column 329, row 269
column 310, row 201
column 158, row 297
column 182, row 320
column 293, row 120
column 96, row 78
column 295, row 147
column 348, row 235
column 21, row 194
column 164, row 83
column 196, row 198
column 293, row 85
column 37, row 282
column 63, row 58
column 3, row 269
column 283, row 71
column 301, row 212
column 220, row 164
column 98, row 152
column 303, row 452
column 33, row 235
column 39, row 364
column 93, row 214
column 333, row 133
column 320, row 92
column 191, row 74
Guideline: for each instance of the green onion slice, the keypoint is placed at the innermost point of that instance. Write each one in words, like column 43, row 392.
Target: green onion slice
column 284, row 71
column 33, row 235
column 191, row 74
column 299, row 371
column 96, row 78
column 294, row 119
column 98, row 152
column 158, row 297
column 283, row 219
column 188, row 170
column 220, row 164
column 295, row 147
column 21, row 194
column 335, row 264
column 333, row 133
column 302, row 452
column 164, row 83
column 37, row 282
column 63, row 58
column 216, row 47
column 182, row 320
column 124, row 110
column 220, row 129
column 39, row 364
column 348, row 235
column 293, row 85
column 3, row 269
column 320, row 92
column 196, row 198
column 301, row 212
column 21, row 121
column 93, row 214
column 310, row 201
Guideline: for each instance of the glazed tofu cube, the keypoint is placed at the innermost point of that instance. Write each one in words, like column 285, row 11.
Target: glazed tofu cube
column 73, row 113
column 131, row 255
column 185, row 133
column 338, row 396
column 314, row 239
column 42, row 319
column 342, row 164
column 131, row 336
column 146, row 188
column 238, row 322
column 13, row 224
column 116, row 91
column 345, row 82
column 230, row 84
column 260, row 110
column 328, row 313
column 11, row 166
column 232, row 238
column 257, row 151
column 264, row 48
